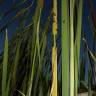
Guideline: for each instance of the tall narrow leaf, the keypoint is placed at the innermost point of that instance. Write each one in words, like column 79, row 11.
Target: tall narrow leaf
column 37, row 46
column 72, row 48
column 65, row 47
column 16, row 60
column 77, row 44
column 54, row 50
column 5, row 64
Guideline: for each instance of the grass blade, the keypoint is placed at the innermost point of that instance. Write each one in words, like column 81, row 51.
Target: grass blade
column 16, row 61
column 77, row 44
column 65, row 47
column 5, row 64
column 21, row 93
column 72, row 48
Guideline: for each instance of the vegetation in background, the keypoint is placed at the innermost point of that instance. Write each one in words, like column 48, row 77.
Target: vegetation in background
column 71, row 36
column 29, row 68
column 27, row 54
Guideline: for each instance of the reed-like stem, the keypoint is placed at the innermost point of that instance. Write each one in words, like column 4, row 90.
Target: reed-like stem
column 72, row 48
column 54, row 50
column 65, row 47
column 77, row 44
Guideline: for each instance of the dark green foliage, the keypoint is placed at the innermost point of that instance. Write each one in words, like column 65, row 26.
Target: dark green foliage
column 26, row 55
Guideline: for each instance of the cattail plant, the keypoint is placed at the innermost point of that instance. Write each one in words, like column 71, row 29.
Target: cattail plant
column 65, row 47
column 71, row 61
column 70, row 46
column 54, row 50
column 5, row 65
column 77, row 43
column 23, row 73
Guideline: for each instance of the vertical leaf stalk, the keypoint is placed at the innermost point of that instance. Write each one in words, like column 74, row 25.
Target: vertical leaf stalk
column 77, row 44
column 65, row 46
column 54, row 50
column 5, row 64
column 72, row 48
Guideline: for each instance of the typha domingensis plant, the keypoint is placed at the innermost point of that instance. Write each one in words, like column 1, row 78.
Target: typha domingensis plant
column 54, row 50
